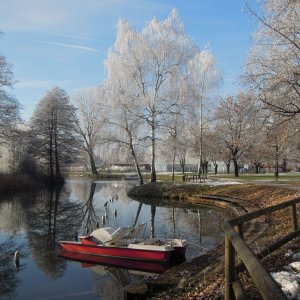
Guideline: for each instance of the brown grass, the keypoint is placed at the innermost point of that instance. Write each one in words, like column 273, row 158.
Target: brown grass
column 251, row 196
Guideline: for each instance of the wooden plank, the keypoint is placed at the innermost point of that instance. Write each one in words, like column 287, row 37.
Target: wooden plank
column 229, row 268
column 266, row 285
column 263, row 211
column 294, row 217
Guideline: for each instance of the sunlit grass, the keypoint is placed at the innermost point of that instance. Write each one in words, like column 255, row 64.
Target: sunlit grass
column 251, row 177
column 167, row 176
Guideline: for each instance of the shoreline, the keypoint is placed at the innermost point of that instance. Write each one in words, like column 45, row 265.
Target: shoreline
column 203, row 277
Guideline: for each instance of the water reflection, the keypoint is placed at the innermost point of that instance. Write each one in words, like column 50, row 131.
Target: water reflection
column 33, row 223
column 52, row 219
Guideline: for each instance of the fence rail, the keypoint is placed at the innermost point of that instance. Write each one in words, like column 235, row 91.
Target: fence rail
column 235, row 246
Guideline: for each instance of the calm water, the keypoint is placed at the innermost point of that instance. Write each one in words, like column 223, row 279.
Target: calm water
column 33, row 223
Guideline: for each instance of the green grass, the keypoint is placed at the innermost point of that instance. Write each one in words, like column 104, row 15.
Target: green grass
column 283, row 177
column 252, row 177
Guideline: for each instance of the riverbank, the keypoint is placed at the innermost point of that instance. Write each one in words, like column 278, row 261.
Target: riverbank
column 203, row 278
column 10, row 183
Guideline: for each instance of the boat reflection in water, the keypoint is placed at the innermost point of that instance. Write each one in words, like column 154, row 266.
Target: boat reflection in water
column 88, row 260
column 114, row 276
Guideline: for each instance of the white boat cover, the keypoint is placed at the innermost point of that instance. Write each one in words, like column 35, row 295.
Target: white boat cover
column 109, row 234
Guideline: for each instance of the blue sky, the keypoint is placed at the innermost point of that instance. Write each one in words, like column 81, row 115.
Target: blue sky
column 65, row 42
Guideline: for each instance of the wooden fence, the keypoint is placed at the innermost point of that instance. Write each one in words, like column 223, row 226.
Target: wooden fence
column 235, row 246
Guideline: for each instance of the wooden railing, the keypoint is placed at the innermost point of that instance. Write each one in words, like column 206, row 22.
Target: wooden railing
column 235, row 246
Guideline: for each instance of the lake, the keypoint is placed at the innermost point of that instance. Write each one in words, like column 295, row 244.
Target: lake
column 33, row 223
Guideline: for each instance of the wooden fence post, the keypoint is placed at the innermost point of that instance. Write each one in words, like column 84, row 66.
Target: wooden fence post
column 229, row 268
column 294, row 217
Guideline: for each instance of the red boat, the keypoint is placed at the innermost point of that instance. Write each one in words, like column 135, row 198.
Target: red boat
column 122, row 243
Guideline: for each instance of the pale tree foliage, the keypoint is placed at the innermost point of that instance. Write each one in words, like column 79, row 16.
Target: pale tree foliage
column 53, row 136
column 293, row 146
column 214, row 146
column 182, row 143
column 9, row 106
column 203, row 78
column 122, row 126
column 149, row 65
column 175, row 132
column 273, row 67
column 90, row 114
column 171, row 147
column 199, row 143
column 236, row 124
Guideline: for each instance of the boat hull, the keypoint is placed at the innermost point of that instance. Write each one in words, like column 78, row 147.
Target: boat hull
column 120, row 252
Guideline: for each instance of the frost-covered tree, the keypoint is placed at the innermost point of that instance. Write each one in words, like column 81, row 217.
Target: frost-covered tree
column 53, row 135
column 149, row 65
column 273, row 67
column 90, row 121
column 203, row 78
column 122, row 126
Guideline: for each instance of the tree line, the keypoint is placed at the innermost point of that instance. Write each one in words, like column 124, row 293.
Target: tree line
column 160, row 101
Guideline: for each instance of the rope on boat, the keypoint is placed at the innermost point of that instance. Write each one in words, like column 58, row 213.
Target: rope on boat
column 199, row 246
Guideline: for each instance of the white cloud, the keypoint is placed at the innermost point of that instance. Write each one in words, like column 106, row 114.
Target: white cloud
column 70, row 46
column 34, row 83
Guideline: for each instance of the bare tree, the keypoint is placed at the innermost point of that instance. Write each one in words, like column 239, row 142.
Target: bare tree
column 9, row 106
column 236, row 124
column 273, row 65
column 259, row 149
column 90, row 119
column 54, row 141
column 278, row 138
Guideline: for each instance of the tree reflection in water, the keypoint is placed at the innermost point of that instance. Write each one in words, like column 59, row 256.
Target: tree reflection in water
column 52, row 220
column 42, row 219
column 8, row 279
column 89, row 217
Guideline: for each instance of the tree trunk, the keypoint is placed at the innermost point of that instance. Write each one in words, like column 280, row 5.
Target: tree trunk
column 92, row 161
column 51, row 155
column 236, row 167
column 57, row 168
column 173, row 166
column 137, row 166
column 256, row 168
column 153, row 172
column 182, row 164
column 152, row 229
column 137, row 215
column 284, row 166
column 200, row 166
column 276, row 161
column 216, row 169
column 228, row 167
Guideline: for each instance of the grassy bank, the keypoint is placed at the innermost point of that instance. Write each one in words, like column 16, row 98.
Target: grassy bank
column 204, row 277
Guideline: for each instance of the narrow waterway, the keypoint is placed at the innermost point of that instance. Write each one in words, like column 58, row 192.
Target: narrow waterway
column 33, row 223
